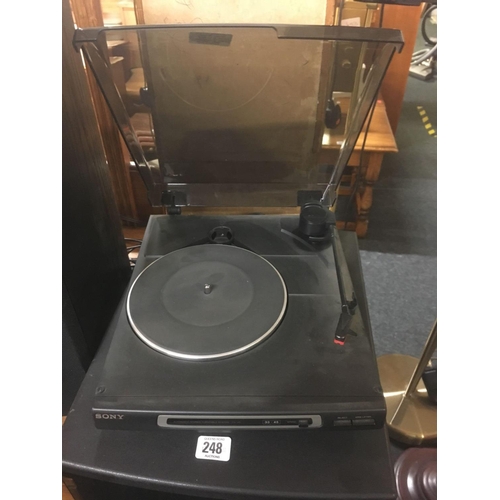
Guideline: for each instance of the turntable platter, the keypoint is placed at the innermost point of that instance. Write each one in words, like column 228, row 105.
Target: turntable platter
column 206, row 302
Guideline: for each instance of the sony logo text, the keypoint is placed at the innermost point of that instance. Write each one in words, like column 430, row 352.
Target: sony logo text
column 109, row 416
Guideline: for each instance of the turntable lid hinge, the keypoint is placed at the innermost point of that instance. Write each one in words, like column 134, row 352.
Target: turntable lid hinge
column 174, row 200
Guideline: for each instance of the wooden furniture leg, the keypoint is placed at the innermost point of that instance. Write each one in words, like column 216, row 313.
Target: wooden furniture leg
column 364, row 196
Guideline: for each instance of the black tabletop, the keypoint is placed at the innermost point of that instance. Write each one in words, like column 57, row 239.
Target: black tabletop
column 340, row 464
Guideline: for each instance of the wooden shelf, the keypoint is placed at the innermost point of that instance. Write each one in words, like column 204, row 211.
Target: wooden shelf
column 380, row 137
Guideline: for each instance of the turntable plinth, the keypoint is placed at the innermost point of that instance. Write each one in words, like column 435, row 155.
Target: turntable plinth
column 263, row 464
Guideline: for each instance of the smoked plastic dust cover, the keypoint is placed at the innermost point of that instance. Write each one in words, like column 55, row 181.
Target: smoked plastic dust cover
column 235, row 115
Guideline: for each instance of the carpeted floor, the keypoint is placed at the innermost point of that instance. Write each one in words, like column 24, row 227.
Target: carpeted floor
column 399, row 252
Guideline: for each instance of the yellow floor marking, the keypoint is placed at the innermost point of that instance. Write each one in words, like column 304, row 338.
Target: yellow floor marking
column 425, row 121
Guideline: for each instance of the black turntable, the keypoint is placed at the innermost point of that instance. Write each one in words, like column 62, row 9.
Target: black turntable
column 240, row 321
column 236, row 335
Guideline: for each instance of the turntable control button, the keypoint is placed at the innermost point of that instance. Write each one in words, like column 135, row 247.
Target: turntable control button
column 342, row 423
column 363, row 421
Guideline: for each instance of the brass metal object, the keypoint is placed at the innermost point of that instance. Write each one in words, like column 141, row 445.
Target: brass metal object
column 411, row 415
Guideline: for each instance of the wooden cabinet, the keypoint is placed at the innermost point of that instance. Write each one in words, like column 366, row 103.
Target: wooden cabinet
column 406, row 19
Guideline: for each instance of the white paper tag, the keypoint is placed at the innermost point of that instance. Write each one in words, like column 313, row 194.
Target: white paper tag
column 213, row 448
column 353, row 21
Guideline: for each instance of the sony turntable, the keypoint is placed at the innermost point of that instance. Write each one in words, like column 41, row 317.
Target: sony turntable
column 240, row 321
column 236, row 334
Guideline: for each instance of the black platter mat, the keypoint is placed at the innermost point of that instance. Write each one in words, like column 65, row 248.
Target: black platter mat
column 206, row 302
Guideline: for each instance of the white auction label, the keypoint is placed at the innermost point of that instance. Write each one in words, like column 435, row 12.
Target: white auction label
column 213, row 448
